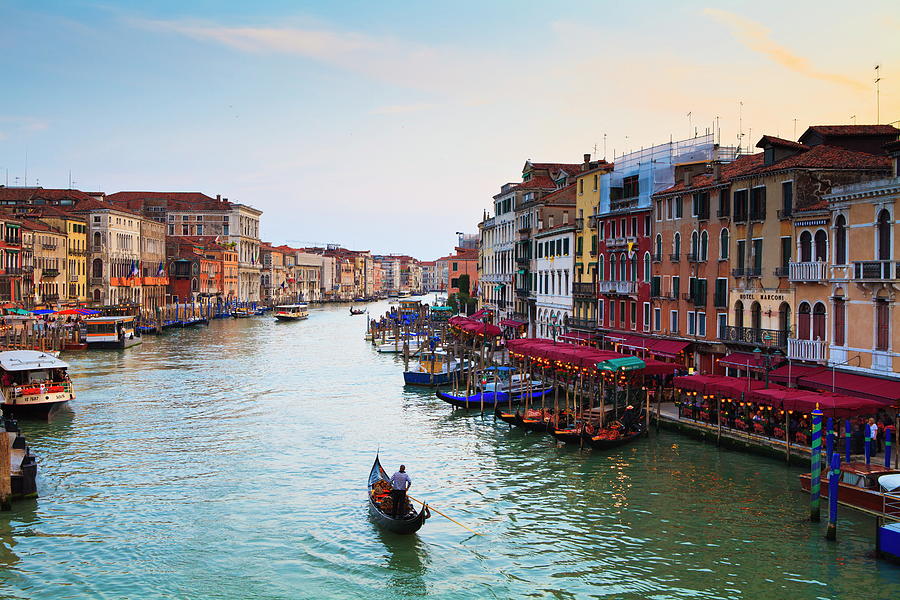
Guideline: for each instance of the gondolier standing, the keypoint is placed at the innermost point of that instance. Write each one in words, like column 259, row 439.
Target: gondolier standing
column 400, row 482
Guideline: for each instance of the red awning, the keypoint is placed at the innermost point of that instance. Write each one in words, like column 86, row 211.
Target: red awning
column 512, row 323
column 578, row 355
column 667, row 348
column 578, row 336
column 480, row 313
column 789, row 373
column 658, row 367
column 733, row 387
column 694, row 383
column 745, row 360
column 833, row 405
column 475, row 327
column 886, row 391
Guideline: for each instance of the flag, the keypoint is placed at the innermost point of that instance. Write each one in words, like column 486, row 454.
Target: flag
column 283, row 285
column 134, row 269
column 161, row 272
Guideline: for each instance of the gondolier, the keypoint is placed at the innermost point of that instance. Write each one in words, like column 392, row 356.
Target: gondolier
column 400, row 482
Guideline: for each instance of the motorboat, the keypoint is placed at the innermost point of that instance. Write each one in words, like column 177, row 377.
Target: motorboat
column 33, row 384
column 292, row 312
column 112, row 332
column 861, row 486
column 434, row 368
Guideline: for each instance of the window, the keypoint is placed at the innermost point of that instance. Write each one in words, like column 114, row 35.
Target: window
column 96, row 218
column 803, row 321
column 455, row 266
column 199, row 229
column 758, row 204
column 673, row 321
column 657, row 247
column 622, row 314
column 600, row 268
column 581, row 186
column 630, row 187
column 741, row 253
column 634, row 226
column 884, row 235
column 676, row 245
column 839, row 320
column 691, row 323
column 805, row 247
column 701, row 324
column 740, row 206
column 654, row 287
column 695, row 245
column 646, row 226
column 787, row 198
column 612, row 267
column 724, row 203
column 840, row 241
column 659, row 210
column 579, row 245
column 721, row 324
column 757, row 255
column 600, row 304
column 647, row 273
column 185, row 229
column 676, row 286
column 882, row 324
column 739, row 314
column 720, row 298
column 596, row 180
column 723, row 244
column 704, row 245
column 565, row 245
column 657, row 319
column 678, row 207
column 821, row 243
column 818, row 321
column 786, row 252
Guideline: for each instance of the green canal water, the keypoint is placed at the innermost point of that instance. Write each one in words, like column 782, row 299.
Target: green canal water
column 230, row 462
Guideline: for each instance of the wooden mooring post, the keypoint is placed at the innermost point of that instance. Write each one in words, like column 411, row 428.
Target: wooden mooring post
column 5, row 469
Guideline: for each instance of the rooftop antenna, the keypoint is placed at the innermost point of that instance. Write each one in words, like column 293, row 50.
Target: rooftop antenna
column 604, row 146
column 26, row 168
column 70, row 179
column 690, row 123
column 795, row 128
column 740, row 125
column 877, row 96
column 853, row 118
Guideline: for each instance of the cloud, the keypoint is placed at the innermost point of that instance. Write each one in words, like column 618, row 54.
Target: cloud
column 757, row 38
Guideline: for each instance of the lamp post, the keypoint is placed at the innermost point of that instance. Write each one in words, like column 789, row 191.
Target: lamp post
column 767, row 361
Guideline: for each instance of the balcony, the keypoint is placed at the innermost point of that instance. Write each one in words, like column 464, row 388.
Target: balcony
column 11, row 271
column 50, row 273
column 73, row 278
column 522, row 260
column 751, row 336
column 50, row 297
column 753, row 272
column 520, row 291
column 97, row 281
column 76, row 252
column 656, row 258
column 13, row 241
column 617, row 242
column 675, row 257
column 807, row 272
column 579, row 223
column 722, row 214
column 617, row 287
column 785, row 214
column 584, row 290
column 583, row 324
column 49, row 246
column 695, row 299
column 876, row 270
column 808, row 350
column 694, row 257
column 781, row 271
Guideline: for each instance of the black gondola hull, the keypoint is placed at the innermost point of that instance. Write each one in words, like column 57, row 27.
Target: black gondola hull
column 620, row 441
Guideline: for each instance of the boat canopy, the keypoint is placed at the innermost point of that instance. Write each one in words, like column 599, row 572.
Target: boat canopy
column 626, row 363
column 29, row 360
column 292, row 306
column 889, row 483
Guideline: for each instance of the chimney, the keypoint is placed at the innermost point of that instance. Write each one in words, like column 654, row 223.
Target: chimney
column 218, row 197
column 587, row 160
column 687, row 177
column 717, row 171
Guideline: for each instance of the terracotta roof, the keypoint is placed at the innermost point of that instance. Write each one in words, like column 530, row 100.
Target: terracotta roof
column 833, row 130
column 539, row 182
column 561, row 195
column 28, row 195
column 771, row 140
column 817, row 157
column 45, row 210
column 173, row 200
column 95, row 204
column 570, row 168
column 36, row 225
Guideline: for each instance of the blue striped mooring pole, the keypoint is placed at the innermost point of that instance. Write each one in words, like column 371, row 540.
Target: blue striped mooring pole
column 829, row 440
column 815, row 475
column 833, row 479
column 848, row 430
column 868, row 444
column 887, row 447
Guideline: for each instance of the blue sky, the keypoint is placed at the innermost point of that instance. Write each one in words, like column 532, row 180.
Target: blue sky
column 388, row 126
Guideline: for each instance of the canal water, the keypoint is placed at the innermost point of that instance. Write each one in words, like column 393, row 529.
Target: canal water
column 231, row 461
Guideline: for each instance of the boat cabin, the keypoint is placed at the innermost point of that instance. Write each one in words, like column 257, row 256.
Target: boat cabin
column 111, row 332
column 33, row 383
column 861, row 475
column 409, row 306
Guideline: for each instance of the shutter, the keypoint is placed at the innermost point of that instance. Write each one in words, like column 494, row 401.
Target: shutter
column 839, row 309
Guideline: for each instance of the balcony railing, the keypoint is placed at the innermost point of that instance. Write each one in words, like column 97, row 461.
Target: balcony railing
column 674, row 257
column 73, row 278
column 579, row 223
column 813, row 271
column 869, row 270
column 620, row 241
column 76, row 252
column 809, row 350
column 583, row 324
column 97, row 281
column 753, row 272
column 584, row 290
column 49, row 246
column 722, row 214
column 781, row 271
column 737, row 272
column 13, row 241
column 8, row 271
column 49, row 273
column 694, row 257
column 521, row 291
column 751, row 336
column 656, row 258
column 785, row 214
column 617, row 287
column 50, row 297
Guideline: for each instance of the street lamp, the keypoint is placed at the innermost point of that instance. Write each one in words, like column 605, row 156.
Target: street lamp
column 767, row 361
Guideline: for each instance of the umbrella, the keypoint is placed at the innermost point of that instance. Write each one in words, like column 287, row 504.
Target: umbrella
column 43, row 311
column 19, row 311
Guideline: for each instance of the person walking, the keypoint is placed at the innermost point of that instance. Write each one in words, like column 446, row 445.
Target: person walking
column 400, row 482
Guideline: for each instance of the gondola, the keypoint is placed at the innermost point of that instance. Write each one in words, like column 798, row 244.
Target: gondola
column 601, row 443
column 511, row 418
column 411, row 522
column 491, row 399
column 357, row 312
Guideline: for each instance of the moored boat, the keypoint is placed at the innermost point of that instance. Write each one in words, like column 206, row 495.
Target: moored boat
column 380, row 509
column 292, row 312
column 434, row 368
column 359, row 311
column 859, row 486
column 111, row 332
column 613, row 437
column 242, row 313
column 33, row 384
column 490, row 398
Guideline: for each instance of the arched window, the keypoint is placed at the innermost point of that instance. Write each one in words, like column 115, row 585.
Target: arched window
column 623, row 268
column 695, row 245
column 840, row 240
column 647, row 275
column 805, row 247
column 821, row 245
column 195, row 285
column 803, row 329
column 738, row 314
column 96, row 295
column 97, row 268
column 818, row 321
column 704, row 245
column 723, row 244
column 756, row 316
column 884, row 235
column 784, row 318
column 634, row 268
column 657, row 249
column 612, row 267
column 600, row 274
column 840, row 317
column 98, row 240
column 676, row 244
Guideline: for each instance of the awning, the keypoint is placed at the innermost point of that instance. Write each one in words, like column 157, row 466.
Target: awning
column 578, row 336
column 747, row 360
column 886, row 391
column 635, row 342
column 658, row 367
column 694, row 383
column 667, row 348
column 480, row 313
column 475, row 327
column 512, row 323
column 550, row 352
column 788, row 374
column 626, row 363
column 614, row 336
column 832, row 405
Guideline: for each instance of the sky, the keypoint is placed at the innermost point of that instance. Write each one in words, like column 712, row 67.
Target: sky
column 388, row 126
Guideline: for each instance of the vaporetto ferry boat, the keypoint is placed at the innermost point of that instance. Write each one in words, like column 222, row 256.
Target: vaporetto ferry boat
column 33, row 384
column 111, row 332
column 292, row 312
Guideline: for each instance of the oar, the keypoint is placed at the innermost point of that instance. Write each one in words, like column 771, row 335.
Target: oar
column 443, row 515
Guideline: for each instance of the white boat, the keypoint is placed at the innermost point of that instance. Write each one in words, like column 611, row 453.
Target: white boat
column 434, row 368
column 292, row 312
column 404, row 294
column 111, row 332
column 33, row 384
column 396, row 347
